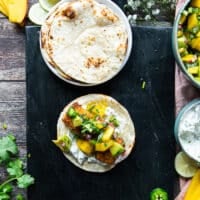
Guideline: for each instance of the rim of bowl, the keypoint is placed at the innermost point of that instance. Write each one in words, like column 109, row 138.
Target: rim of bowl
column 180, row 115
column 175, row 47
column 116, row 9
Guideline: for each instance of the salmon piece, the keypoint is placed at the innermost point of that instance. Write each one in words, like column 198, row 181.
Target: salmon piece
column 81, row 111
column 105, row 157
column 68, row 122
column 120, row 141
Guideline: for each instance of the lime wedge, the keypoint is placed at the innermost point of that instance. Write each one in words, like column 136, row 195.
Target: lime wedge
column 36, row 14
column 185, row 166
column 48, row 4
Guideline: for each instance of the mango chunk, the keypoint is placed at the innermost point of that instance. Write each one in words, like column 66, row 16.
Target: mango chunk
column 107, row 134
column 98, row 108
column 103, row 146
column 195, row 3
column 189, row 58
column 3, row 8
column 85, row 146
column 195, row 43
column 193, row 70
column 182, row 19
column 197, row 79
column 198, row 34
column 17, row 10
column 192, row 21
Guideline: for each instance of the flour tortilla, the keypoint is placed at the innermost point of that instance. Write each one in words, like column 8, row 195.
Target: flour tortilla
column 84, row 39
column 128, row 133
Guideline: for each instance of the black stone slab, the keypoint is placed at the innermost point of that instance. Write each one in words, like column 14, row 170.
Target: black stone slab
column 150, row 164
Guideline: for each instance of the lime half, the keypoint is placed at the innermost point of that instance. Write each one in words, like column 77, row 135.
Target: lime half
column 185, row 166
column 36, row 14
column 48, row 4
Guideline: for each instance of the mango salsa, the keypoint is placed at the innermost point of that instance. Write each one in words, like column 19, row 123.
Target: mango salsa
column 188, row 38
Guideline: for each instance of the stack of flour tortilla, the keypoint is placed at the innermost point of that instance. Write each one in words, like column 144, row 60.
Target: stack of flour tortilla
column 85, row 41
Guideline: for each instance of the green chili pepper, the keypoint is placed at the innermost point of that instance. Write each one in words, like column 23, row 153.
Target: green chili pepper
column 158, row 194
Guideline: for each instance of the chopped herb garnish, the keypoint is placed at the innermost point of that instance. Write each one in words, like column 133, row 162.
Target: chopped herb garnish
column 91, row 108
column 88, row 126
column 20, row 197
column 28, row 155
column 143, row 84
column 114, row 121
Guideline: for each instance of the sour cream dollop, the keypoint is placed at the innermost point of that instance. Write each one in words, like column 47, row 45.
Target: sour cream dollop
column 189, row 132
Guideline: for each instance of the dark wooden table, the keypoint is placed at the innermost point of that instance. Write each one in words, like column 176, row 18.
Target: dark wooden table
column 12, row 81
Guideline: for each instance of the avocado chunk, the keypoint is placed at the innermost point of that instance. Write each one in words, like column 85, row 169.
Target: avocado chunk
column 63, row 143
column 71, row 113
column 77, row 121
column 116, row 149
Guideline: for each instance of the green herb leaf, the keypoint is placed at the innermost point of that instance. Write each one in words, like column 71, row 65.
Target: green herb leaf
column 6, row 188
column 20, row 197
column 143, row 84
column 14, row 168
column 114, row 121
column 7, row 147
column 88, row 126
column 4, row 196
column 25, row 181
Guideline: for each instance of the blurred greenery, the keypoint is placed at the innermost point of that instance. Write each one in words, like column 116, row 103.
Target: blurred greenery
column 149, row 10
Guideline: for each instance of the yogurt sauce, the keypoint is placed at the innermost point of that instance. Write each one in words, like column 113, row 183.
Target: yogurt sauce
column 189, row 132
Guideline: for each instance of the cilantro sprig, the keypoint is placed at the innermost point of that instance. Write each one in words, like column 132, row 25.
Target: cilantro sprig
column 15, row 168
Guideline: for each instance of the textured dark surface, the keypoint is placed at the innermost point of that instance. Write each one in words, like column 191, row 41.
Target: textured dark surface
column 152, row 110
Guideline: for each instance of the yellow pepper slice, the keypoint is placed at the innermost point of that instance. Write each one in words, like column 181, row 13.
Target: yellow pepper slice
column 193, row 192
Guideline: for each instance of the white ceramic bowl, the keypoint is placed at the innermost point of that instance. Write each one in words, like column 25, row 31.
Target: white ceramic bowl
column 188, row 147
column 175, row 47
column 123, row 17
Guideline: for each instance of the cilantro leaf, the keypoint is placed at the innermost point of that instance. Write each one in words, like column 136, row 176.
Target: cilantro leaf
column 14, row 168
column 6, row 188
column 20, row 197
column 25, row 181
column 7, row 147
column 4, row 196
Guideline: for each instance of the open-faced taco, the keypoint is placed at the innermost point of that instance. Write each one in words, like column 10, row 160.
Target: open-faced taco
column 95, row 132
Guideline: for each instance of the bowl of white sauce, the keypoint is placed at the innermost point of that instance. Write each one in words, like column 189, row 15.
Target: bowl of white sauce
column 187, row 129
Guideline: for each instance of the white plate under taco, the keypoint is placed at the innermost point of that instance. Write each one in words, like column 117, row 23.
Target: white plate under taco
column 95, row 132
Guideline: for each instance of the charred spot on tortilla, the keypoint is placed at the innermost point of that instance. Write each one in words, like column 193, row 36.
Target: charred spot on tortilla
column 69, row 12
column 94, row 62
column 109, row 15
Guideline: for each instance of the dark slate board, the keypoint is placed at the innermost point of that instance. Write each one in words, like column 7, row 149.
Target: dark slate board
column 151, row 162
